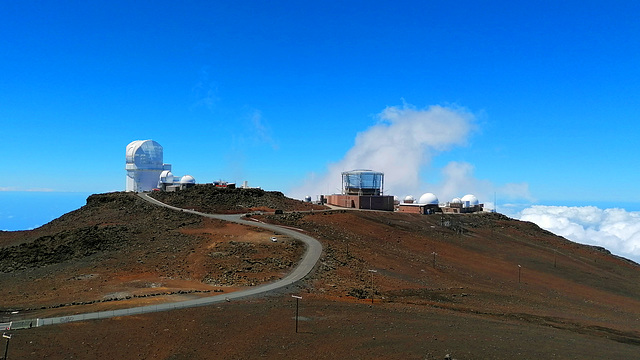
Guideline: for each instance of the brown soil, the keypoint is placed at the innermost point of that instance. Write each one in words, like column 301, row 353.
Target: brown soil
column 328, row 329
column 210, row 199
column 566, row 301
column 120, row 251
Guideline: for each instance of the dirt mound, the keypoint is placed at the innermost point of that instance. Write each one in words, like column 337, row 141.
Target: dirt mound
column 63, row 246
column 210, row 199
column 108, row 222
column 120, row 244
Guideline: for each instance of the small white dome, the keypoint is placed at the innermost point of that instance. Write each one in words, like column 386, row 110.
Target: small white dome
column 408, row 198
column 472, row 199
column 428, row 199
column 166, row 177
column 456, row 201
column 187, row 179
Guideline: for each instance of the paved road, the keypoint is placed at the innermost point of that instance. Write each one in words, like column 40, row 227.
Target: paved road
column 309, row 259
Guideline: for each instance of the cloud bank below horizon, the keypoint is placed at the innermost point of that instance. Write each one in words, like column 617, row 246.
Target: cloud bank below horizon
column 617, row 230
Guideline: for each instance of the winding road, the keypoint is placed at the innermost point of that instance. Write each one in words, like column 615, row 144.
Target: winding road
column 309, row 260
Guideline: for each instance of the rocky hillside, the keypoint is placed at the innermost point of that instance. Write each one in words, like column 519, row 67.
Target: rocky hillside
column 108, row 222
column 388, row 285
column 475, row 263
column 211, row 199
column 120, row 244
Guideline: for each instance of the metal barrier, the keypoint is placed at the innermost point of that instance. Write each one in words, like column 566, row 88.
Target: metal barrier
column 23, row 324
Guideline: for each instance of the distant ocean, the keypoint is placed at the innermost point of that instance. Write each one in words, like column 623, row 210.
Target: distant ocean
column 25, row 210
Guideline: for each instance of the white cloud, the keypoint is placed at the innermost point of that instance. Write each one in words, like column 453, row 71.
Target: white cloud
column 617, row 230
column 404, row 140
column 260, row 129
column 401, row 144
column 459, row 180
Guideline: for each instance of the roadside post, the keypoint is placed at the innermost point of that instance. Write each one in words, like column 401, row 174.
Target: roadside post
column 297, row 306
column 372, row 271
column 6, row 349
column 519, row 270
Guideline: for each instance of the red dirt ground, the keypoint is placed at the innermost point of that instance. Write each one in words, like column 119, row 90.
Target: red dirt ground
column 572, row 301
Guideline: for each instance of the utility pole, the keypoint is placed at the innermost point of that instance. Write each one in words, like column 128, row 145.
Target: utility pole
column 434, row 258
column 297, row 299
column 519, row 269
column 372, row 271
column 6, row 349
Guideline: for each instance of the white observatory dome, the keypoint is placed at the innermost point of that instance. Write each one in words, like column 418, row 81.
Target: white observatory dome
column 143, row 165
column 144, row 154
column 409, row 199
column 166, row 177
column 428, row 199
column 472, row 199
column 456, row 201
column 187, row 179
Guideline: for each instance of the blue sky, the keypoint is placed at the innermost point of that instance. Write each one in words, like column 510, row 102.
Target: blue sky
column 285, row 93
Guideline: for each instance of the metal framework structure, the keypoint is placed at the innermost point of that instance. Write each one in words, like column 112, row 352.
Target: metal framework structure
column 363, row 182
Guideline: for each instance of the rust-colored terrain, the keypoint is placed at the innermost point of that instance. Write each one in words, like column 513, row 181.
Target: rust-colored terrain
column 211, row 199
column 470, row 299
column 119, row 250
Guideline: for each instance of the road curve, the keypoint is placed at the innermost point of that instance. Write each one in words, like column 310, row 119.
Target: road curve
column 309, row 259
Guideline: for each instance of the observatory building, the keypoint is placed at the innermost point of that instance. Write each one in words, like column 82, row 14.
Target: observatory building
column 429, row 204
column 168, row 182
column 362, row 189
column 468, row 204
column 144, row 165
column 146, row 170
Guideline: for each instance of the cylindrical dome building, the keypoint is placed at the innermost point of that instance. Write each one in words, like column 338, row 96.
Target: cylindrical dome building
column 362, row 189
column 362, row 182
column 144, row 165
